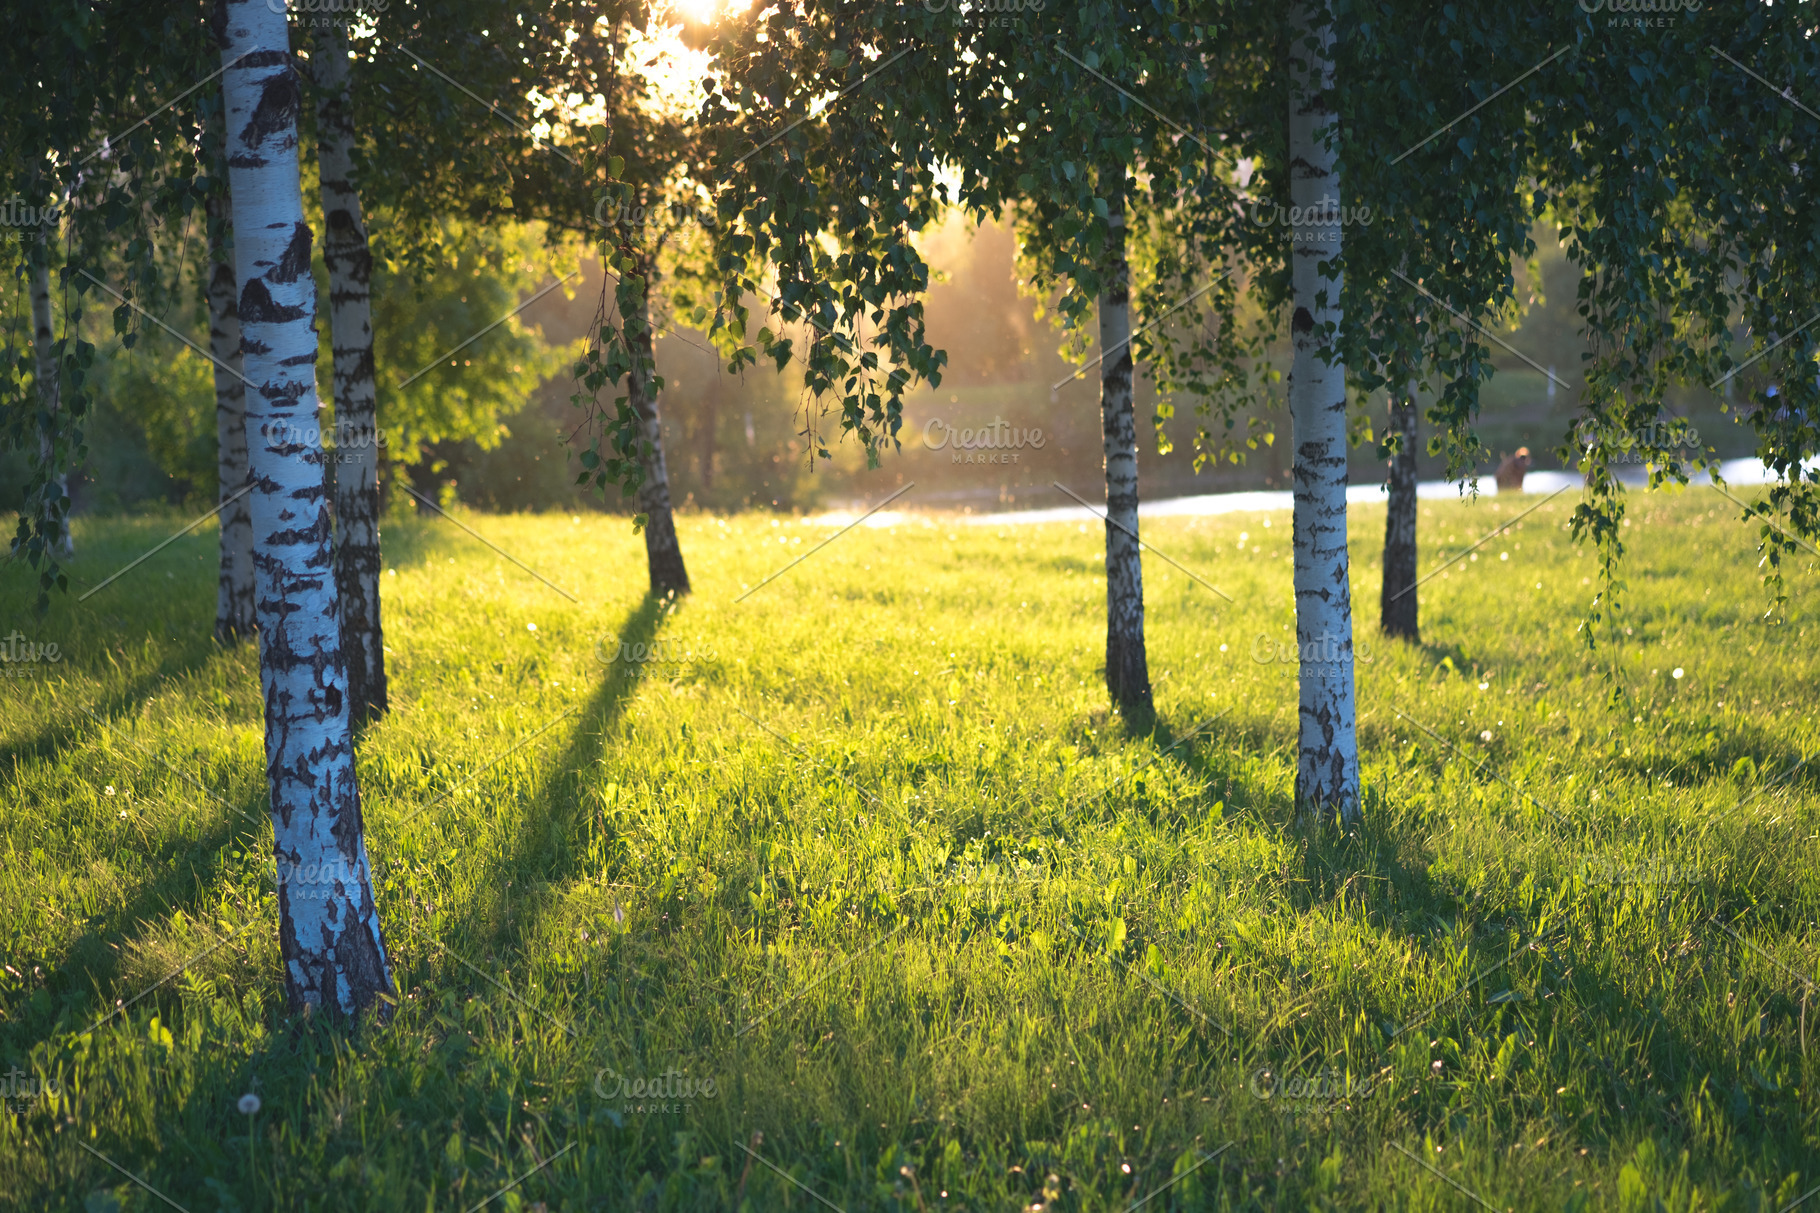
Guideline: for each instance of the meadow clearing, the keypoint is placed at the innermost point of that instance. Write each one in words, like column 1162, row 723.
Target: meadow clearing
column 853, row 894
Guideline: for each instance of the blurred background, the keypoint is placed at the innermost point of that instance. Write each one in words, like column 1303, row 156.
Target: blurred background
column 489, row 430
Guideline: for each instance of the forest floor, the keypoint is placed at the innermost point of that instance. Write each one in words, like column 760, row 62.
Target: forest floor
column 852, row 894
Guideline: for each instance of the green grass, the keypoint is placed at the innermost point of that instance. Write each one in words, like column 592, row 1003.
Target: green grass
column 868, row 851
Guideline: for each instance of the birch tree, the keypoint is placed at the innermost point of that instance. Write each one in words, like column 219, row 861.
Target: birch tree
column 329, row 933
column 1127, row 666
column 234, row 615
column 1397, row 614
column 350, row 265
column 1327, row 750
column 55, row 502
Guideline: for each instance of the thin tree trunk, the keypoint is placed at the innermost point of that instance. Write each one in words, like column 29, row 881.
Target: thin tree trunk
column 663, row 554
column 1327, row 766
column 1397, row 607
column 710, row 423
column 234, row 616
column 1127, row 671
column 328, row 931
column 54, row 512
column 356, row 479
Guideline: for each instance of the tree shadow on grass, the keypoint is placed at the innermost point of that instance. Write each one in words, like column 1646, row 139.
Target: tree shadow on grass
column 544, row 848
column 85, row 975
column 187, row 657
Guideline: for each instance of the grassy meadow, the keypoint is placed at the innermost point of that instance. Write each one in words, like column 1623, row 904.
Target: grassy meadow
column 853, row 894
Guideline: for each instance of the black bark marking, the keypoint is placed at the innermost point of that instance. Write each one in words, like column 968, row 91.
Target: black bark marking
column 295, row 262
column 280, row 100
column 1303, row 322
column 257, row 306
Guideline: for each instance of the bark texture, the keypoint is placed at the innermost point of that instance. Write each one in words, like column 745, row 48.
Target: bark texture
column 1397, row 606
column 54, row 511
column 329, row 936
column 1327, row 759
column 1127, row 670
column 234, row 618
column 663, row 554
column 356, row 473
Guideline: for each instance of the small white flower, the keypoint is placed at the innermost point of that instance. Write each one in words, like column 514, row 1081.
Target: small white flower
column 249, row 1104
column 531, row 626
column 1503, row 555
column 1485, row 736
column 1222, row 648
column 1435, row 1066
column 122, row 814
column 109, row 789
column 1679, row 671
column 1485, row 686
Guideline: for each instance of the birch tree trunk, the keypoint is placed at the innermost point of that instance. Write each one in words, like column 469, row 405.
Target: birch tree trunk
column 356, row 479
column 328, row 930
column 55, row 508
column 663, row 554
column 1327, row 761
column 1127, row 671
column 1397, row 605
column 234, row 588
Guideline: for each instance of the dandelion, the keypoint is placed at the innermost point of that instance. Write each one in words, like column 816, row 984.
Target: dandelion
column 1503, row 555
column 109, row 789
column 1678, row 671
column 1435, row 1066
column 249, row 1104
column 1222, row 648
column 1485, row 686
column 531, row 626
column 1485, row 736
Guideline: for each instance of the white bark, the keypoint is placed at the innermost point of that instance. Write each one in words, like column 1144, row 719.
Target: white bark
column 1127, row 667
column 234, row 584
column 329, row 935
column 350, row 266
column 1327, row 766
column 54, row 513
